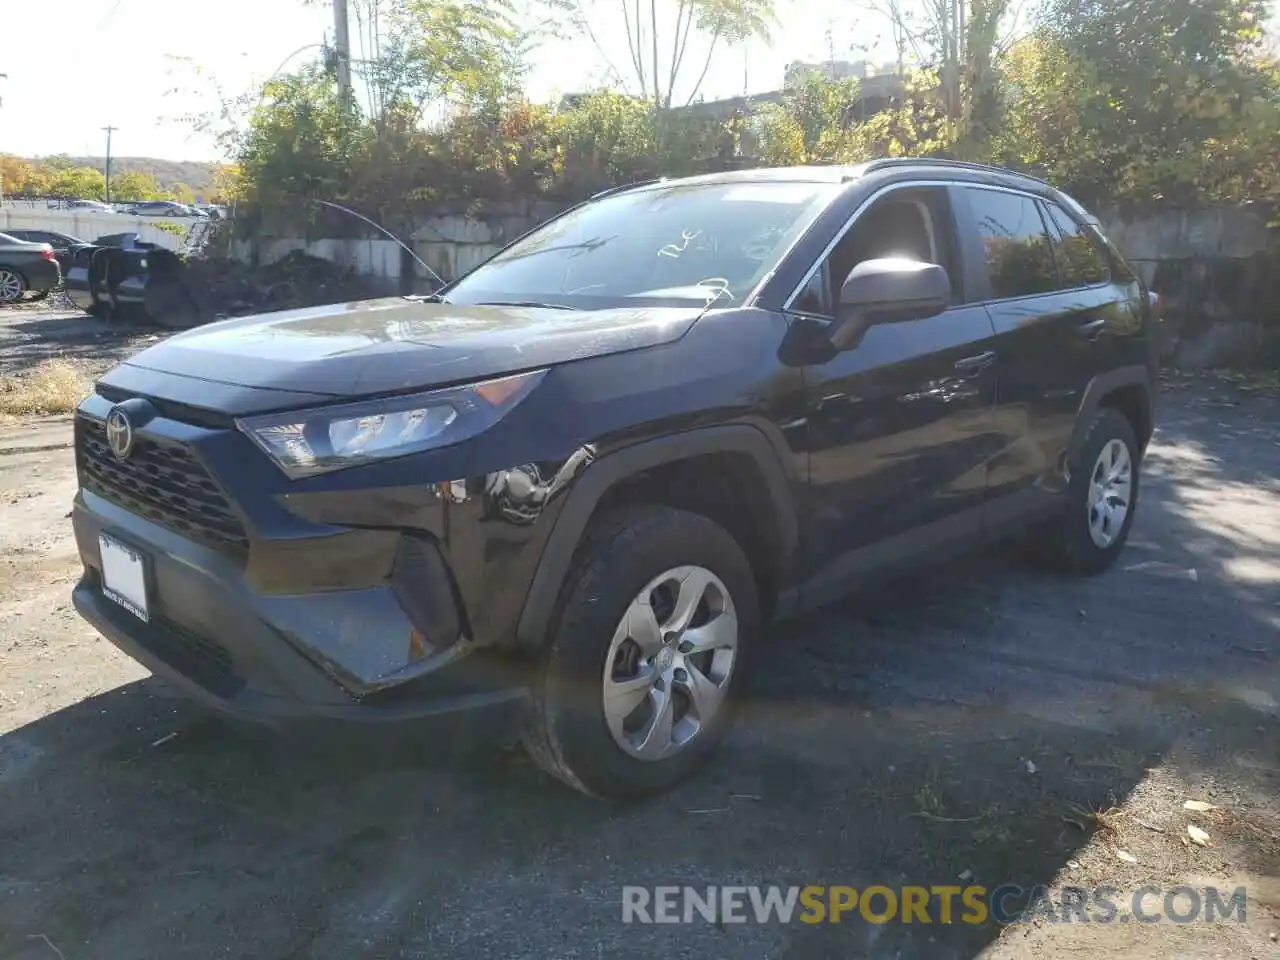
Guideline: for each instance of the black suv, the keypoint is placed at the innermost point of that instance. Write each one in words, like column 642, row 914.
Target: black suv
column 566, row 491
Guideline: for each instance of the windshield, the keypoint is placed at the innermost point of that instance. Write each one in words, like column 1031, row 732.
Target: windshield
column 700, row 242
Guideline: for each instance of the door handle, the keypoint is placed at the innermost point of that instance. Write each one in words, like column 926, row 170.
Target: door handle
column 1093, row 329
column 977, row 363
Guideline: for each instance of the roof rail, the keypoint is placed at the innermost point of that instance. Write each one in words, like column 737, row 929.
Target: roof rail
column 884, row 162
column 622, row 187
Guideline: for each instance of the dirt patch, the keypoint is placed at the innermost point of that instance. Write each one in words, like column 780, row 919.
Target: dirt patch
column 53, row 386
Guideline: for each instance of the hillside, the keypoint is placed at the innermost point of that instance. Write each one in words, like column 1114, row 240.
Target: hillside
column 195, row 175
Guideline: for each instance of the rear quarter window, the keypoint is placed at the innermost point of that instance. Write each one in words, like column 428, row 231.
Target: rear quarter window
column 1082, row 261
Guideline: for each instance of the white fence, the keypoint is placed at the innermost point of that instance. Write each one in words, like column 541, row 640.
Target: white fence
column 89, row 225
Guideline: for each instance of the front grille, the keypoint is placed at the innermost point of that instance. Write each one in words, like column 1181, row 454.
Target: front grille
column 163, row 482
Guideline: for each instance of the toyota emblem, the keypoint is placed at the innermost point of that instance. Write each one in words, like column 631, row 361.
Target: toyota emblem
column 119, row 433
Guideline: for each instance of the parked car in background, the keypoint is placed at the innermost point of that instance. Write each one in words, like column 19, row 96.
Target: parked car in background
column 163, row 208
column 26, row 268
column 64, row 245
column 90, row 206
column 567, row 490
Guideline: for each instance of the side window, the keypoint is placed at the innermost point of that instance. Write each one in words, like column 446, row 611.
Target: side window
column 914, row 223
column 1080, row 262
column 1019, row 255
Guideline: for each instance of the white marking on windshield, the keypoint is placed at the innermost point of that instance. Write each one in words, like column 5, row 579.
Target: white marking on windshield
column 673, row 250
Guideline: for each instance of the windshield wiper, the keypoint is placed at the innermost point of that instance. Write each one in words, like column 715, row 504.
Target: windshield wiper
column 524, row 303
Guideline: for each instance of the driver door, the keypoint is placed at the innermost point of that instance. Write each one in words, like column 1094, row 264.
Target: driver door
column 899, row 428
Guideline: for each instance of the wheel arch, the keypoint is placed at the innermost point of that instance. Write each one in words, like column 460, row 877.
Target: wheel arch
column 1129, row 390
column 608, row 479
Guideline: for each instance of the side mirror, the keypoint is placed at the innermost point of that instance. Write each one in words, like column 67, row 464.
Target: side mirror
column 890, row 290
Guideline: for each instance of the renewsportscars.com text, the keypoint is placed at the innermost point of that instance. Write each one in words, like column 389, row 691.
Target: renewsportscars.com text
column 1007, row 904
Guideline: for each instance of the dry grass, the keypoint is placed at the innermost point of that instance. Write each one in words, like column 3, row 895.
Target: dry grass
column 55, row 386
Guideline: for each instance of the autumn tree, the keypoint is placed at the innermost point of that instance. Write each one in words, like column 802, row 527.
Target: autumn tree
column 1145, row 99
column 812, row 124
column 961, row 42
column 131, row 186
column 413, row 54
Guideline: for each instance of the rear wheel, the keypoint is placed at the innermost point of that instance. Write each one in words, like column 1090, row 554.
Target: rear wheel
column 648, row 657
column 12, row 285
column 1102, row 498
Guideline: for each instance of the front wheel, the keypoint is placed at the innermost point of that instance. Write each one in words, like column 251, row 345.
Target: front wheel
column 12, row 285
column 1102, row 498
column 648, row 657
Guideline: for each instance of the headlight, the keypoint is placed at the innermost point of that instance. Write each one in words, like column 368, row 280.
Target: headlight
column 304, row 443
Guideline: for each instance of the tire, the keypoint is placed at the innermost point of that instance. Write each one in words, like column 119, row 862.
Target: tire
column 567, row 731
column 1070, row 543
column 12, row 285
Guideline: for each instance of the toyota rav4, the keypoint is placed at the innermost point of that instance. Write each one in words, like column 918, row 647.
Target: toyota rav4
column 564, row 494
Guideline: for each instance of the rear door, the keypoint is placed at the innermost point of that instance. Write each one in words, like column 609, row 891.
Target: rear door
column 1047, row 329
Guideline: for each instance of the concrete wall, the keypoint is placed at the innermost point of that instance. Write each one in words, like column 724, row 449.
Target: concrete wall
column 1218, row 269
column 450, row 242
column 90, row 226
column 1218, row 272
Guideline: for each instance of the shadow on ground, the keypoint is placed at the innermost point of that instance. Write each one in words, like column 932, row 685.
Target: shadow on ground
column 891, row 741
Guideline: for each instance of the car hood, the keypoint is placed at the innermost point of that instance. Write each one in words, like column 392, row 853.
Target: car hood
column 392, row 345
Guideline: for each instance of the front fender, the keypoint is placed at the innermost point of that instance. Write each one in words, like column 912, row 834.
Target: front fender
column 600, row 476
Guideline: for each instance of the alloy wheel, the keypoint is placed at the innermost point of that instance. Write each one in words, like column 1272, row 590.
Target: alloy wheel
column 1110, row 492
column 670, row 663
column 10, row 286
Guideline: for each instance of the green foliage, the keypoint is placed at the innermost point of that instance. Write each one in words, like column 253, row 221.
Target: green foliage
column 1130, row 101
column 460, row 51
column 166, row 226
column 82, row 183
column 300, row 146
column 141, row 186
column 300, row 141
column 64, row 177
column 1145, row 100
column 813, row 124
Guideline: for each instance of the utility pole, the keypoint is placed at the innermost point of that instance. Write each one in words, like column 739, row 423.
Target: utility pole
column 107, row 172
column 3, row 76
column 342, row 51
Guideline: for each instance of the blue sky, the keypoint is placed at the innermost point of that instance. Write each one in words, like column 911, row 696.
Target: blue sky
column 132, row 52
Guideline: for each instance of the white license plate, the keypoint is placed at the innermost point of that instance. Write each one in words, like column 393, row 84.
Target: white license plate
column 124, row 576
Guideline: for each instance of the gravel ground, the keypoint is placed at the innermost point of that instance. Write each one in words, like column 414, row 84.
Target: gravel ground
column 981, row 720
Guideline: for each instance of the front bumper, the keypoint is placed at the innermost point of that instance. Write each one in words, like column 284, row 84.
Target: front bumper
column 242, row 652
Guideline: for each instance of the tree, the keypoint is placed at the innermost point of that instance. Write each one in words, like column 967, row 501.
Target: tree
column 227, row 185
column 656, row 59
column 1142, row 100
column 962, row 40
column 136, row 186
column 415, row 53
column 17, row 176
column 80, row 183
column 811, row 124
column 298, row 142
